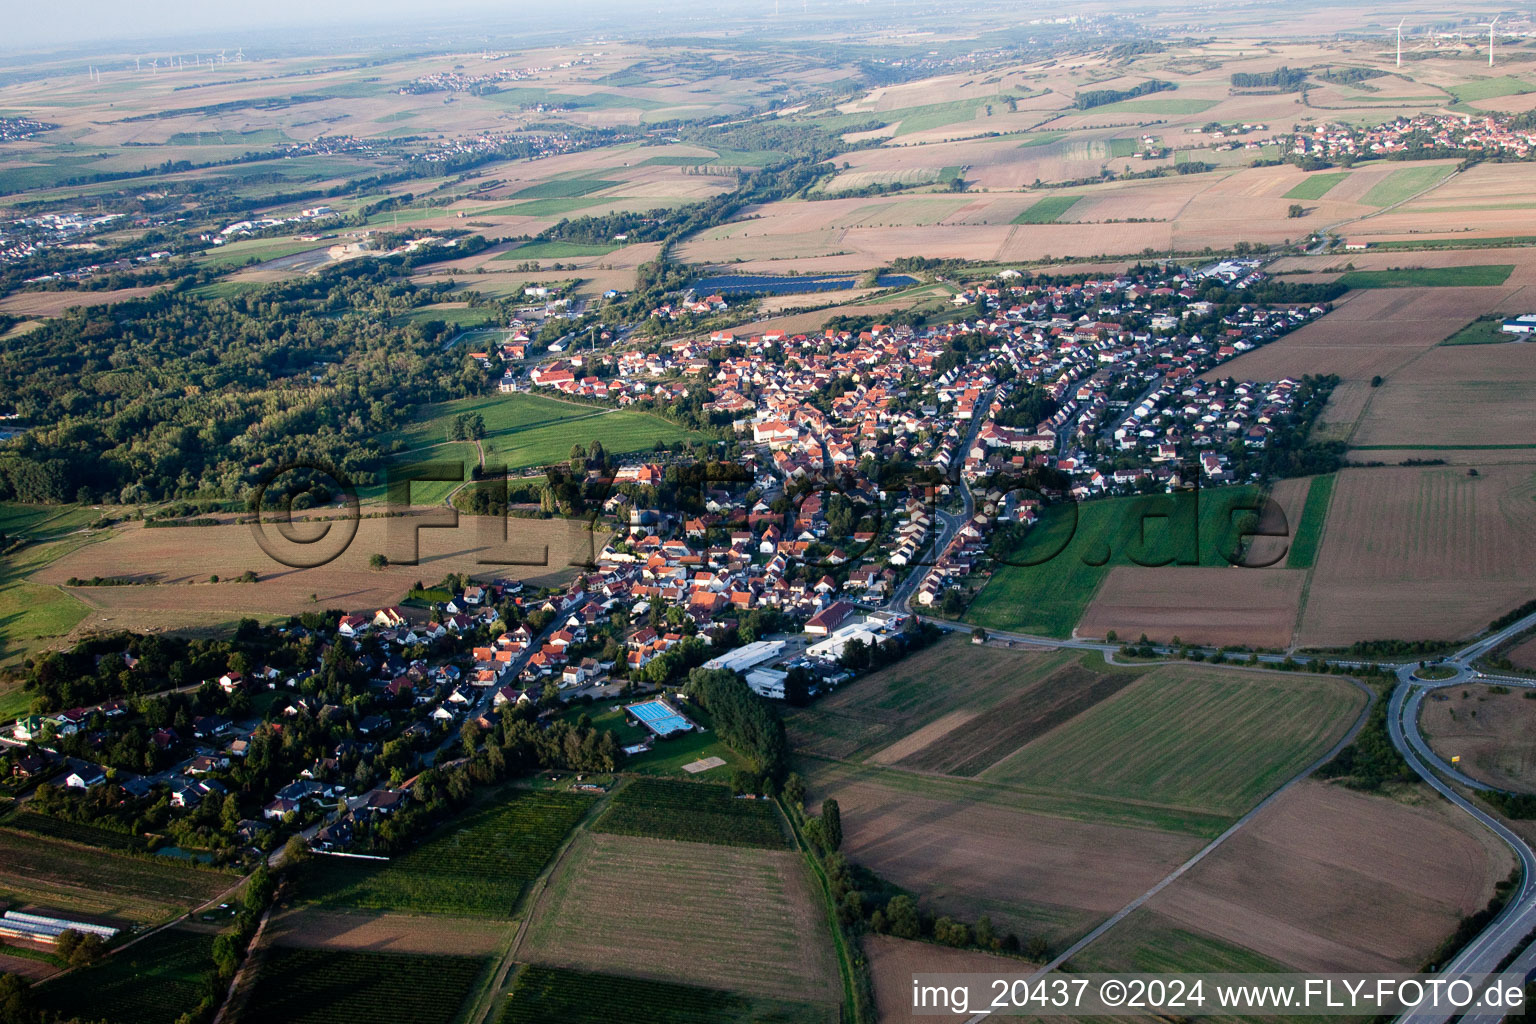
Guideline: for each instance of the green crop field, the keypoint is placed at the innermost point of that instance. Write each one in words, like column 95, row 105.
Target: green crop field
column 1490, row 88
column 153, row 982
column 36, row 871
column 1404, row 183
column 1124, row 147
column 322, row 986
column 1497, row 242
column 545, row 994
column 1076, row 552
column 1308, row 534
column 937, row 115
column 557, row 250
column 532, row 430
column 1315, row 186
column 1479, row 276
column 1047, row 210
column 1190, row 737
column 691, row 811
column 563, row 188
column 477, row 865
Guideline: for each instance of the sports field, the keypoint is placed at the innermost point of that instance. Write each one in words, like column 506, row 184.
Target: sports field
column 478, row 865
column 732, row 918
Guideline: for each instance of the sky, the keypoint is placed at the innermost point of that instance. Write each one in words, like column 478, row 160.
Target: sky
column 94, row 21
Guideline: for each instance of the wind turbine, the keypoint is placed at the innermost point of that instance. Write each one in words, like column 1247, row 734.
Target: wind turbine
column 239, row 53
column 1490, row 25
column 1400, row 41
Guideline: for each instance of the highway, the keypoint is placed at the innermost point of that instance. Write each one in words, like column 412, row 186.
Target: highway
column 1509, row 930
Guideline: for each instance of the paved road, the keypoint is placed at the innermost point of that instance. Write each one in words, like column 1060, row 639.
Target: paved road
column 1508, row 931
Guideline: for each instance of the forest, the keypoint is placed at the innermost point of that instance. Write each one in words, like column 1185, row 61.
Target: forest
column 178, row 396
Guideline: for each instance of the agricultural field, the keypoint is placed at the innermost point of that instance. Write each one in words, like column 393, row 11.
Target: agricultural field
column 309, row 927
column 889, row 714
column 1493, row 733
column 958, row 845
column 692, row 812
column 740, row 919
column 1309, row 530
column 1485, row 276
column 541, row 994
column 1403, row 184
column 1075, row 547
column 1190, row 736
column 1421, row 552
column 476, row 866
column 311, row 986
column 1353, row 882
column 174, row 566
column 1317, row 185
column 32, row 616
column 1149, row 941
column 1224, row 607
column 968, row 748
column 1370, row 332
column 893, row 961
column 48, row 874
column 1426, row 403
column 155, row 981
column 524, row 431
column 1047, row 211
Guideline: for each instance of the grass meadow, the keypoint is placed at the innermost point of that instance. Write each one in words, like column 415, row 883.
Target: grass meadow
column 1309, row 532
column 1075, row 546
